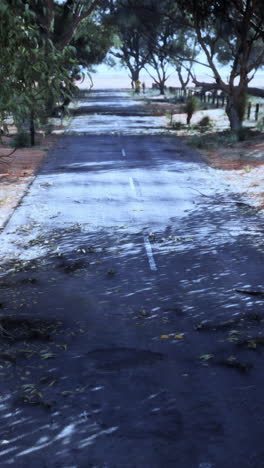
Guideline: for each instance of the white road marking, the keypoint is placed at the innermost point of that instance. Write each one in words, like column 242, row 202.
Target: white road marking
column 135, row 187
column 132, row 185
column 123, row 153
column 118, row 129
column 151, row 260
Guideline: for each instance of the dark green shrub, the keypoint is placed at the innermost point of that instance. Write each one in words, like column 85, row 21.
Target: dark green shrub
column 204, row 124
column 21, row 140
column 178, row 125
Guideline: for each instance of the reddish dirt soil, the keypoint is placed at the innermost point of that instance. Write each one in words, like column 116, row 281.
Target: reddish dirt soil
column 237, row 156
column 17, row 167
column 22, row 162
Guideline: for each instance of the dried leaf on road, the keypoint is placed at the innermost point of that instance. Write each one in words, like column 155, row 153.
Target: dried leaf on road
column 206, row 357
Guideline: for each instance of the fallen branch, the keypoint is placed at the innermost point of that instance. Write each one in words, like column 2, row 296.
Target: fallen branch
column 251, row 342
column 233, row 362
column 207, row 325
column 7, row 156
column 234, row 202
column 258, row 92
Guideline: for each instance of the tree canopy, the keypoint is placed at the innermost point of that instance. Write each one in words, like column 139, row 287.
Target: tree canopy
column 43, row 45
column 225, row 33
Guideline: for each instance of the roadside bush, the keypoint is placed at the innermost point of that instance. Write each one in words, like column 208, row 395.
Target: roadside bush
column 246, row 133
column 200, row 143
column 204, row 124
column 177, row 125
column 213, row 141
column 191, row 106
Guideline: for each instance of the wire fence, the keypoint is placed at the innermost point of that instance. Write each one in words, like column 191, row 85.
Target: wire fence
column 217, row 99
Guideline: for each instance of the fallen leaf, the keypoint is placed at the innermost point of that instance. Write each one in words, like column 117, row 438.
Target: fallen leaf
column 52, row 383
column 27, row 386
column 252, row 344
column 179, row 336
column 64, row 346
column 164, row 337
column 206, row 357
column 48, row 355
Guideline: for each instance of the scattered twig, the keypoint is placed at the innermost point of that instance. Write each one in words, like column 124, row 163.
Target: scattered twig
column 250, row 292
column 10, row 154
column 203, row 194
column 233, row 362
column 213, row 326
column 206, row 325
column 252, row 342
column 234, row 202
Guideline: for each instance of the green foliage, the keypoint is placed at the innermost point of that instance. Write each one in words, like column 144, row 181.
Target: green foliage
column 92, row 42
column 191, row 106
column 21, row 140
column 32, row 71
column 229, row 33
column 41, row 54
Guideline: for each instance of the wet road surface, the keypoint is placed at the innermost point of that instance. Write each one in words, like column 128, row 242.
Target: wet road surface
column 126, row 260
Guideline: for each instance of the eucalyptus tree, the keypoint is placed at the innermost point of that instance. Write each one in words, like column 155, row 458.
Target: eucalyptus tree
column 171, row 46
column 160, row 50
column 71, row 25
column 132, row 53
column 38, row 61
column 228, row 33
column 151, row 35
column 128, row 18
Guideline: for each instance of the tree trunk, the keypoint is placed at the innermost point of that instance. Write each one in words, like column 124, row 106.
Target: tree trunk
column 181, row 80
column 235, row 110
column 32, row 130
column 162, row 88
column 135, row 77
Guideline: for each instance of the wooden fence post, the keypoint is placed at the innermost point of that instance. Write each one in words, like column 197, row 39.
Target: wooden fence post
column 249, row 111
column 257, row 112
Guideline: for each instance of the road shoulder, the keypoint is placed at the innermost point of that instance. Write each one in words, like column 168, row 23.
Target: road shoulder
column 17, row 171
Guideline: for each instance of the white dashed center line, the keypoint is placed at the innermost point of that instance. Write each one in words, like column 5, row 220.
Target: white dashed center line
column 118, row 129
column 123, row 153
column 151, row 260
column 132, row 185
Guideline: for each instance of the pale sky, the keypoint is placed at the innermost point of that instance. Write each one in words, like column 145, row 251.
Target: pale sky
column 106, row 77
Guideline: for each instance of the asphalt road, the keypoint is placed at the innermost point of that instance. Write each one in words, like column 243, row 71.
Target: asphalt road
column 124, row 263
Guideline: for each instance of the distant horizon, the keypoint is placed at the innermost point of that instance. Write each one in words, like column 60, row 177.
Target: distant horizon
column 117, row 78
